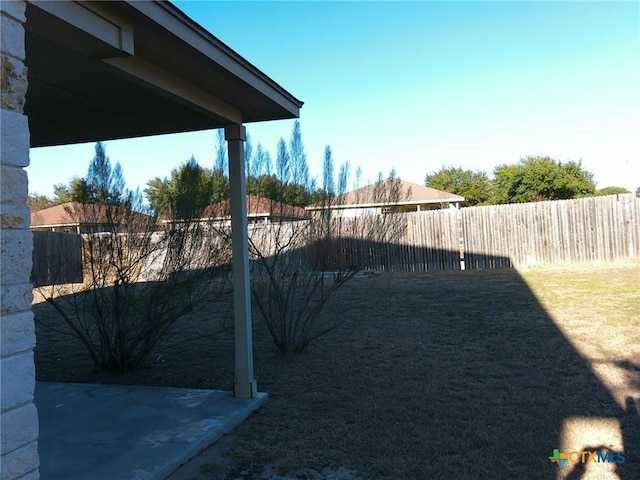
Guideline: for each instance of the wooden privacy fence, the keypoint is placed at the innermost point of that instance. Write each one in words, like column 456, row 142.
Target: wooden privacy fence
column 597, row 229
column 57, row 258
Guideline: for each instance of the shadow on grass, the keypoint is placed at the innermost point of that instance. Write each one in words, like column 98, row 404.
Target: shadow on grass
column 432, row 376
column 443, row 375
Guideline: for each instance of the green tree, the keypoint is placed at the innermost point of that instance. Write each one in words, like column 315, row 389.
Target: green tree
column 475, row 187
column 267, row 186
column 222, row 159
column 221, row 186
column 77, row 190
column 248, row 155
column 36, row 202
column 261, row 162
column 188, row 190
column 611, row 191
column 541, row 178
column 158, row 195
column 299, row 165
column 283, row 162
column 328, row 182
column 106, row 184
column 191, row 189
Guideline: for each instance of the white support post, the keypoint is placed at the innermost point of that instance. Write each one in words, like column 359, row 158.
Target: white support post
column 244, row 385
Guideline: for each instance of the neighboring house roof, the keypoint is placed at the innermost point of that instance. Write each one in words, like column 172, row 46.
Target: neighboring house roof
column 257, row 207
column 72, row 214
column 411, row 194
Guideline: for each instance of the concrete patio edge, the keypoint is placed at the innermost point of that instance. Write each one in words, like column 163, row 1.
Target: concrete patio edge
column 132, row 432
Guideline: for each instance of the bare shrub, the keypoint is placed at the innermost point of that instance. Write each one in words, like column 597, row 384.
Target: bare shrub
column 296, row 266
column 138, row 282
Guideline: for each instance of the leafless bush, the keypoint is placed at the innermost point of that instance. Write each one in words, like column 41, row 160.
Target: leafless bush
column 296, row 266
column 138, row 282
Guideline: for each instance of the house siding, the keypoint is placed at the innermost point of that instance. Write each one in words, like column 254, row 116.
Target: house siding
column 19, row 418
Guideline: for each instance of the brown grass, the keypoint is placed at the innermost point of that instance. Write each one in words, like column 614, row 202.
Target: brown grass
column 469, row 375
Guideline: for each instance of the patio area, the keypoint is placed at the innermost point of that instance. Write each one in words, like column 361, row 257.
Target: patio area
column 129, row 432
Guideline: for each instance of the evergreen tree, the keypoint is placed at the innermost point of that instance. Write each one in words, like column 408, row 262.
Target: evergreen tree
column 299, row 166
column 106, row 183
column 283, row 162
column 188, row 190
column 328, row 183
column 248, row 157
column 261, row 162
column 222, row 160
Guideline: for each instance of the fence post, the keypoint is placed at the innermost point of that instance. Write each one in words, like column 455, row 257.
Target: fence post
column 461, row 236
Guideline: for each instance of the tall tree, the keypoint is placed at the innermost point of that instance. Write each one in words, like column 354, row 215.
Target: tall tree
column 283, row 162
column 221, row 186
column 343, row 178
column 328, row 183
column 541, row 178
column 475, row 187
column 222, row 159
column 158, row 195
column 77, row 190
column 219, row 176
column 188, row 190
column 248, row 156
column 261, row 162
column 299, row 166
column 106, row 183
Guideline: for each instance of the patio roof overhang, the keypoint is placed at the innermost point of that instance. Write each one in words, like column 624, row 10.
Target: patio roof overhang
column 108, row 70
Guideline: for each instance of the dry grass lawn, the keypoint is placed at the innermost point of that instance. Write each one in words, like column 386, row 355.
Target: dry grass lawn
column 449, row 375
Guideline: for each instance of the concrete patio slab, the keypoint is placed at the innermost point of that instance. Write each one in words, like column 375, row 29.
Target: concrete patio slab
column 125, row 432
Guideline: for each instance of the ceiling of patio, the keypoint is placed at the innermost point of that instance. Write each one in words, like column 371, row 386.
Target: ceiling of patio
column 107, row 70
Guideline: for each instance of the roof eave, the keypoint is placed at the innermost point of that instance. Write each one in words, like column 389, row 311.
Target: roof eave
column 179, row 24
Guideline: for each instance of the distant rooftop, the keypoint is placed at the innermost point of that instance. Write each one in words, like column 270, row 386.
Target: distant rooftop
column 411, row 194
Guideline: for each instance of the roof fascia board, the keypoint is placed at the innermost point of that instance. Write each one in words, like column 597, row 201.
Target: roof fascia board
column 175, row 21
column 171, row 85
column 93, row 18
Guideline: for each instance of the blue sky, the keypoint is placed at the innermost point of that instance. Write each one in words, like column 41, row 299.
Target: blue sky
column 416, row 86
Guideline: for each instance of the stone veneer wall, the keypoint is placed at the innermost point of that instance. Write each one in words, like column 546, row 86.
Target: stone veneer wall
column 19, row 419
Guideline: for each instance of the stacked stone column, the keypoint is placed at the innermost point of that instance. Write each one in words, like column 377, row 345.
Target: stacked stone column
column 19, row 419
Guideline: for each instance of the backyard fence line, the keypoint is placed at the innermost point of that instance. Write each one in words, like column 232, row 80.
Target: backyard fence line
column 596, row 229
column 57, row 258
